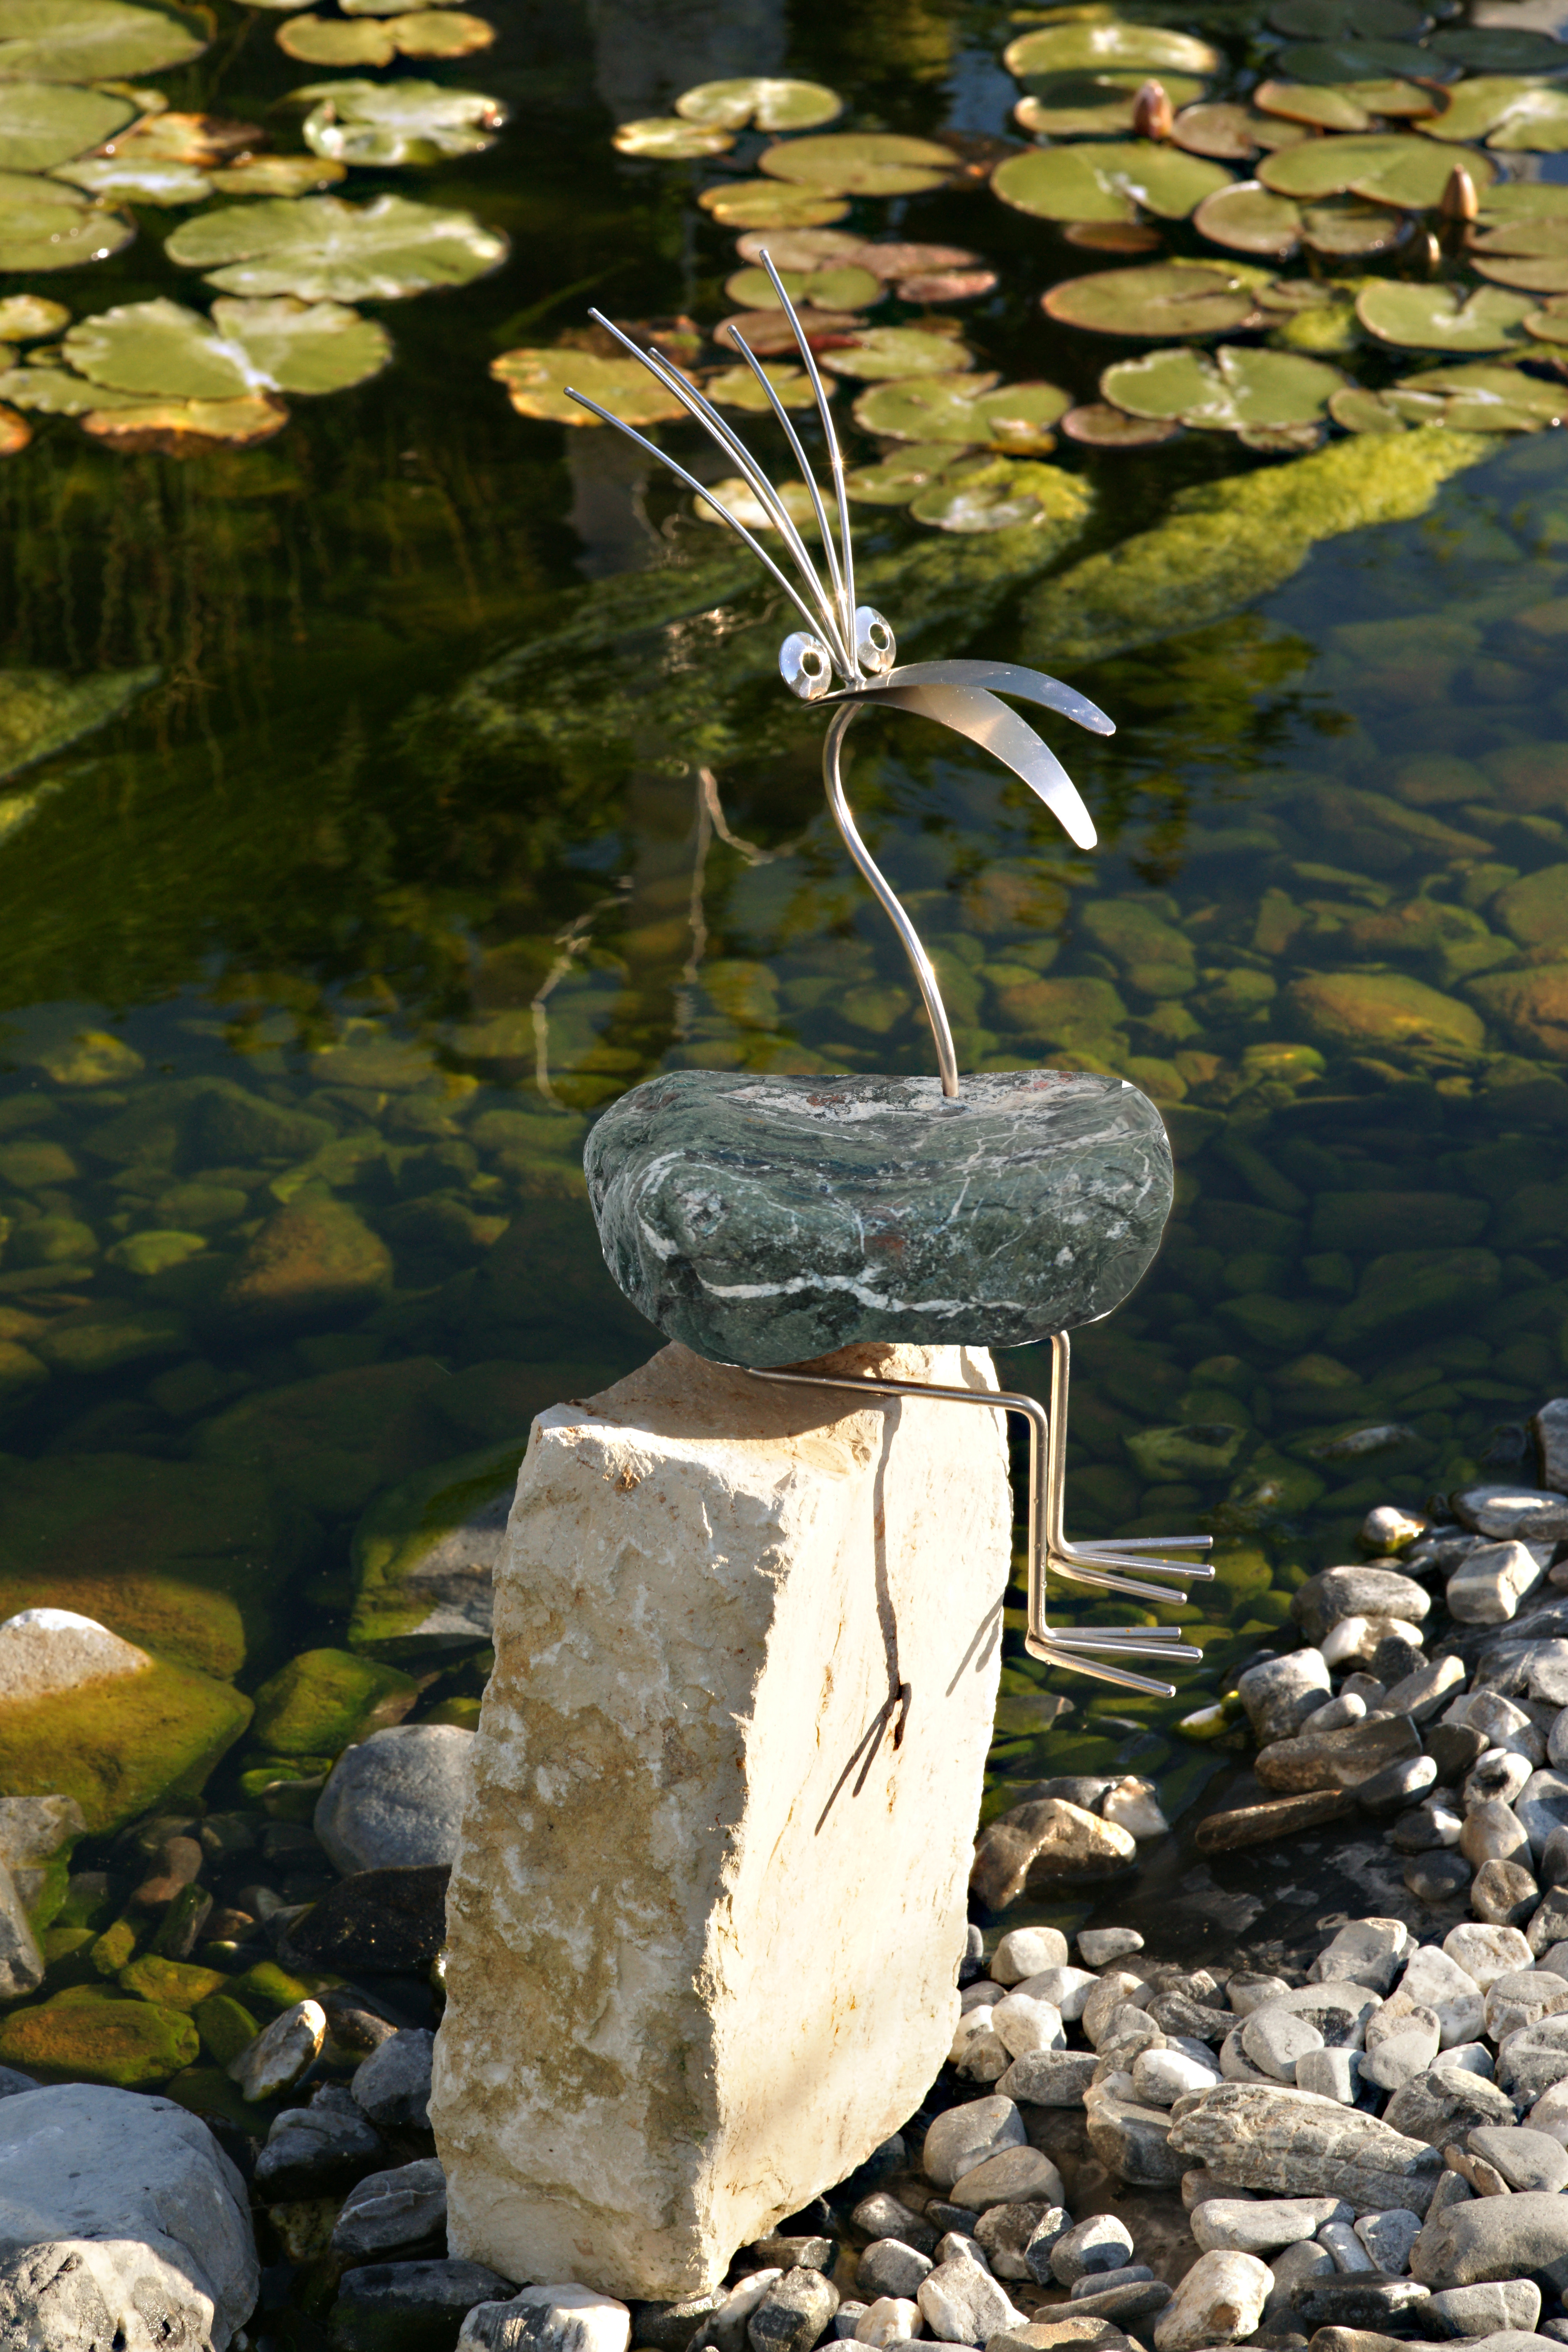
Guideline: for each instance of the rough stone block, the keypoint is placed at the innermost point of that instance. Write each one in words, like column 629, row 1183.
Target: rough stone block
column 708, row 1909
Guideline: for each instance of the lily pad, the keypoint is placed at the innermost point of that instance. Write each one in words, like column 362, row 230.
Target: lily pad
column 1113, row 237
column 162, row 349
column 737, row 387
column 276, row 175
column 326, row 250
column 391, row 8
column 1346, row 20
column 1101, row 426
column 174, row 137
column 384, row 123
column 180, row 428
column 1168, row 298
column 1520, row 200
column 1359, row 410
column 94, row 40
column 25, row 317
column 902, row 475
column 49, row 390
column 43, row 225
column 860, row 164
column 1437, row 318
column 1497, row 49
column 669, row 139
column 1548, row 324
column 1513, row 116
column 1094, row 105
column 1090, row 48
column 1540, row 274
column 1232, row 133
column 1341, row 106
column 137, row 181
column 947, row 285
column 1108, row 182
column 1236, row 390
column 894, row 257
column 770, row 203
column 1249, row 218
column 768, row 103
column 885, row 354
column 770, row 335
column 981, row 494
column 536, row 384
column 1387, row 167
column 1480, row 398
column 1353, row 61
column 848, row 288
column 745, row 506
column 44, row 123
column 804, row 249
column 375, row 41
column 1013, row 418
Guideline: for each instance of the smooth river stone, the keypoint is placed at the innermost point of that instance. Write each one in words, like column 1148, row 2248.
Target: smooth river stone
column 770, row 1220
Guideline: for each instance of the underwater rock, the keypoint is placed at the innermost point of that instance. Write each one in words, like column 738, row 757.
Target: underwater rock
column 395, row 1800
column 1382, row 1008
column 380, row 1920
column 323, row 1699
column 425, row 1554
column 1415, row 1289
column 313, row 1260
column 1531, row 1006
column 767, row 1221
column 129, row 2044
column 792, row 1557
column 329, row 1443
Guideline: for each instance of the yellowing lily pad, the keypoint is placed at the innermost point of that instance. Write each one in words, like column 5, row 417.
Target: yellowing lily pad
column 981, row 494
column 1235, row 390
column 1108, row 182
column 162, row 349
column 442, row 32
column 947, row 285
column 276, row 175
column 536, row 384
column 1438, row 318
column 847, row 289
column 183, row 428
column 772, row 104
column 804, row 249
column 1167, row 298
column 1341, row 106
column 1093, row 48
column 860, row 164
column 337, row 41
column 890, row 352
column 390, row 123
column 669, row 139
column 135, row 180
column 902, row 475
column 94, row 40
column 1094, row 105
column 737, row 387
column 743, row 502
column 770, row 203
column 326, row 250
column 25, row 317
column 44, row 123
column 43, row 225
column 1388, row 167
column 1100, row 426
column 1510, row 115
column 14, row 433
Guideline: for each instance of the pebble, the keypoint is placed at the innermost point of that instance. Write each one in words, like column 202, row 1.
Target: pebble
column 889, row 2320
column 1365, row 1952
column 1351, row 2300
column 1526, row 2159
column 1159, row 2077
column 1123, row 2300
column 1097, row 1945
column 1493, row 1832
column 1500, row 1775
column 1219, row 2301
column 1017, row 2238
column 1256, row 2226
column 1106, row 2281
column 1021, row 2023
column 393, row 2085
column 1050, row 2078
column 1500, row 2304
column 1421, row 1694
column 569, row 2318
column 1014, row 2175
column 1487, row 2238
column 281, row 2054
column 963, row 2303
column 319, row 2150
column 1486, row 1953
column 1401, row 2043
column 1522, row 1997
column 47, row 1653
column 888, row 2268
column 882, row 2215
column 1388, row 2238
column 1437, row 1878
column 396, row 1799
column 1503, row 1894
column 791, row 2315
column 1444, row 2101
column 1489, row 1586
column 388, row 2214
column 1066, row 1989
column 1346, row 2247
column 1330, row 2075
column 1024, row 1951
column 1100, row 2243
column 966, row 2135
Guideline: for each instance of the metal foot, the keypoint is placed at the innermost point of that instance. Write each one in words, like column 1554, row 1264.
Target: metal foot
column 1092, row 1651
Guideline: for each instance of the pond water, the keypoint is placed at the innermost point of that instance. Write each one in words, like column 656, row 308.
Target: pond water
column 442, row 789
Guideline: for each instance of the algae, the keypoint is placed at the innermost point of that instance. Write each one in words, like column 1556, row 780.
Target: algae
column 118, row 1747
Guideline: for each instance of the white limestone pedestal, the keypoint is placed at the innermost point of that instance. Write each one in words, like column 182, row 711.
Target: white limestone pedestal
column 710, row 1898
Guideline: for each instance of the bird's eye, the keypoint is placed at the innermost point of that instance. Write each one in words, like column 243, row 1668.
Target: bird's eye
column 805, row 666
column 875, row 645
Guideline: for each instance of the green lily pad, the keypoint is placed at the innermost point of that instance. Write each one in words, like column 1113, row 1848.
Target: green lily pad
column 1488, row 49
column 25, row 317
column 1101, row 426
column 770, row 104
column 980, row 494
column 1534, row 238
column 1013, row 418
column 860, row 164
column 886, row 354
column 375, row 41
column 1090, row 48
column 1341, row 106
column 902, row 475
column 385, row 123
column 43, row 225
column 536, row 384
column 1353, row 61
column 1548, row 324
column 276, row 175
column 1231, row 133
column 1346, row 20
column 743, row 502
column 442, row 32
column 56, row 391
column 1359, row 410
column 44, row 123
column 1437, row 318
column 1247, row 217
column 1094, row 105
column 1167, row 298
column 1109, row 182
column 392, row 7
column 1387, row 167
column 1540, row 274
column 135, row 180
column 326, row 250
column 1513, row 116
column 770, row 203
column 1521, row 200
column 94, row 40
column 737, row 387
column 669, row 139
column 1235, row 390
column 850, row 289
column 1479, row 398
column 159, row 349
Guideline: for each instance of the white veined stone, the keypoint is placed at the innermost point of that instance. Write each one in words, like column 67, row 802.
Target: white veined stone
column 1024, row 2023
column 888, row 2320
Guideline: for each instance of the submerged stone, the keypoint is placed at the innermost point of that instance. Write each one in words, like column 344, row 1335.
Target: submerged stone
column 425, row 1554
column 767, row 1221
column 323, row 1699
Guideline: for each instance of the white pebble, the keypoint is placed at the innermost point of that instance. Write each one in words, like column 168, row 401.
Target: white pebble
column 1346, row 2247
column 889, row 2320
column 1021, row 2023
column 1024, row 1951
column 1099, row 1946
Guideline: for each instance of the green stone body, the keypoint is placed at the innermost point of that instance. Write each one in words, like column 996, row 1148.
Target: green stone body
column 768, row 1220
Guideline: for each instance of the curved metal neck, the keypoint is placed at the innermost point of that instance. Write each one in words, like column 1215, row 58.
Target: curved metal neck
column 919, row 962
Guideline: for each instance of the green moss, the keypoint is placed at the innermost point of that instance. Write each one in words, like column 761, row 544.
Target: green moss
column 324, row 1698
column 131, row 2045
column 207, row 2091
column 226, row 2025
column 330, row 1442
column 114, row 1946
column 1531, row 1006
column 171, row 1984
column 118, row 1747
column 1226, row 544
column 316, row 1259
column 268, row 1987
column 1382, row 1008
column 415, row 1526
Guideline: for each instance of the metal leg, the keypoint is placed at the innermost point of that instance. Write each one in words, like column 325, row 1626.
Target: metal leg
column 1089, row 1651
column 1079, row 1563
